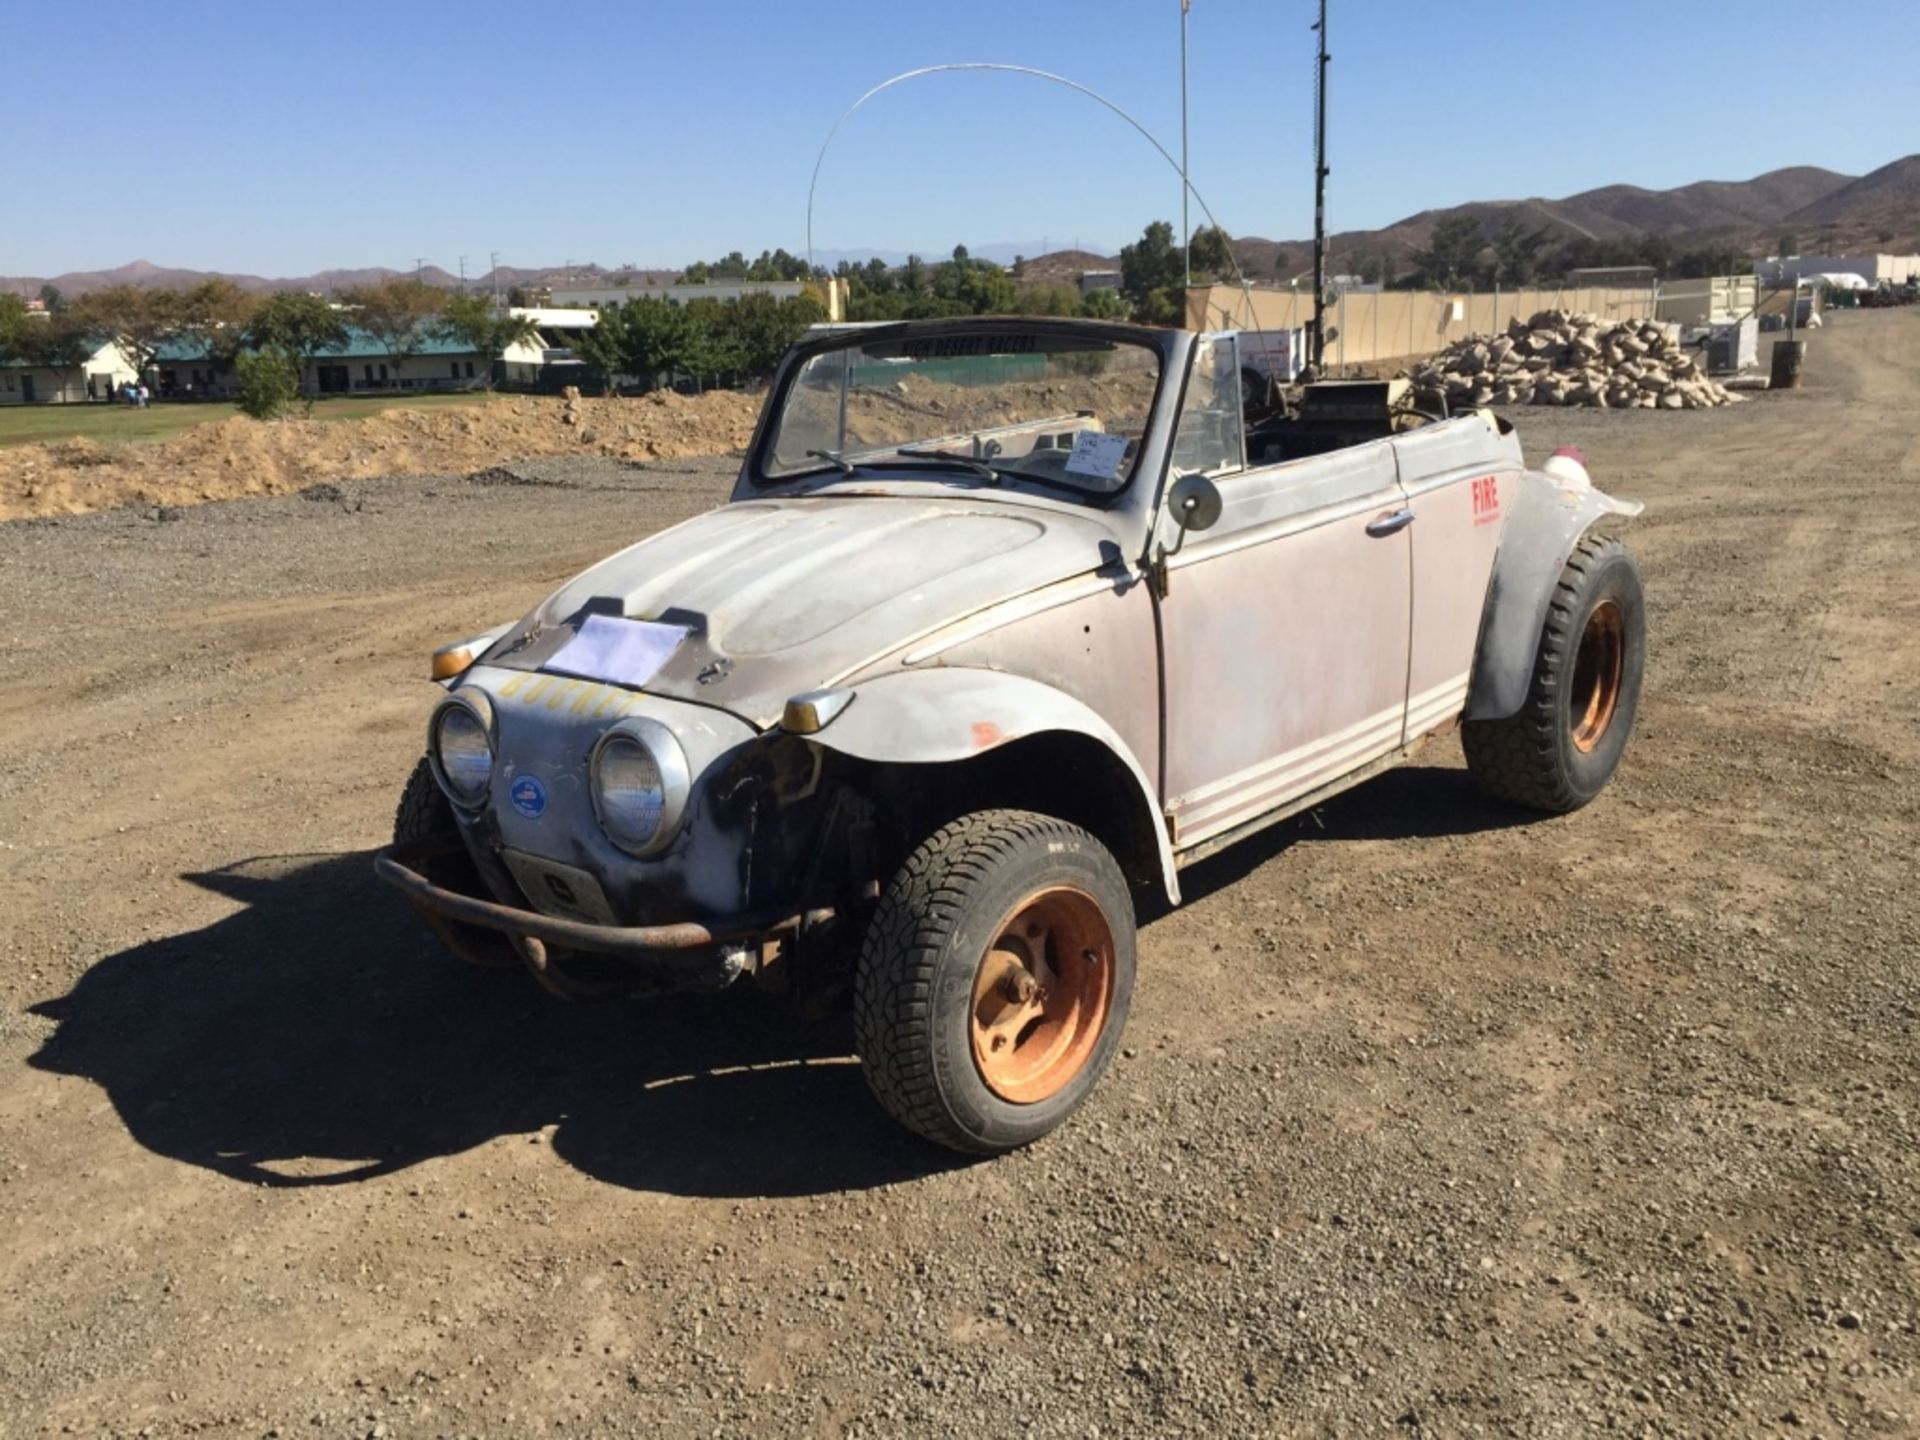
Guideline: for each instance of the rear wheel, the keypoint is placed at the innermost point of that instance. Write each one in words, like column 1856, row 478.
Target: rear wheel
column 995, row 980
column 1562, row 747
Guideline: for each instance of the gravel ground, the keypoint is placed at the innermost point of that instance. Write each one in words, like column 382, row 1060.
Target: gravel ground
column 1432, row 1120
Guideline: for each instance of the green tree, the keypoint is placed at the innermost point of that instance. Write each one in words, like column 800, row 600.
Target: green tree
column 761, row 327
column 1788, row 245
column 1050, row 299
column 14, row 319
column 1149, row 266
column 1517, row 253
column 138, row 321
column 51, row 297
column 399, row 314
column 214, row 316
column 296, row 324
column 1451, row 253
column 269, row 383
column 472, row 320
column 1209, row 253
column 974, row 287
column 647, row 338
column 913, row 275
column 52, row 339
column 1104, row 304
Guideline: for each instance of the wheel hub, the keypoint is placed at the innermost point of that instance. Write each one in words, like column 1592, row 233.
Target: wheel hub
column 1598, row 666
column 1041, row 995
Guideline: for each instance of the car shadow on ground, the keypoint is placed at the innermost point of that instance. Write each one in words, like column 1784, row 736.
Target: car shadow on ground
column 319, row 1036
column 1410, row 802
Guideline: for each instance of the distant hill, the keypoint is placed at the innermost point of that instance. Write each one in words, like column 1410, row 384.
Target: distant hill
column 149, row 276
column 1823, row 211
column 1879, row 211
column 1064, row 267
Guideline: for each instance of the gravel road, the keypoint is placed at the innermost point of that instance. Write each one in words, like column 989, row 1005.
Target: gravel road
column 1433, row 1119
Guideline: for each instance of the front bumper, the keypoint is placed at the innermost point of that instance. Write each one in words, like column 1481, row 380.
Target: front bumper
column 659, row 959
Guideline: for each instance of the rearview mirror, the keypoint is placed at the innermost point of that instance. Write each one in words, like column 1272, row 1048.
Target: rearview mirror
column 1194, row 502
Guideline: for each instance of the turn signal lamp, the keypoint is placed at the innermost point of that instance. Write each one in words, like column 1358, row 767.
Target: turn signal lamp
column 812, row 712
column 452, row 660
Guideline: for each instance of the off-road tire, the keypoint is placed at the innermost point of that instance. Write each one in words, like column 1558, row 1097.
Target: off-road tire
column 424, row 808
column 1531, row 758
column 913, row 994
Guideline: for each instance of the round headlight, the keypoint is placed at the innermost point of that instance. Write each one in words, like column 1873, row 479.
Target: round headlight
column 640, row 785
column 463, row 751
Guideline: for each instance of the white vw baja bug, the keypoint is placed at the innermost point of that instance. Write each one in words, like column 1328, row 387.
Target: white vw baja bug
column 1004, row 619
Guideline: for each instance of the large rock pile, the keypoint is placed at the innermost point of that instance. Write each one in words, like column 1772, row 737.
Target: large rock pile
column 1561, row 358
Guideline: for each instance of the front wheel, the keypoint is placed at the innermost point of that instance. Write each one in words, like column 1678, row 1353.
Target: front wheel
column 1562, row 747
column 995, row 980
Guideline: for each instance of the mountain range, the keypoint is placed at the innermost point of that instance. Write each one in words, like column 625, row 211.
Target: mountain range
column 1824, row 211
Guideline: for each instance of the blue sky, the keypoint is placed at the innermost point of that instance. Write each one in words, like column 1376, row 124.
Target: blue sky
column 281, row 139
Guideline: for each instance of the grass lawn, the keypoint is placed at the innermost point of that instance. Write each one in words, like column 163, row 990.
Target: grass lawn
column 122, row 424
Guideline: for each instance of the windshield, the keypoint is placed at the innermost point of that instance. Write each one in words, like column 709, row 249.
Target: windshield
column 1062, row 410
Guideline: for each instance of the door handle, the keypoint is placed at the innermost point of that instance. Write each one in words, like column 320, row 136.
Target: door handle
column 1390, row 524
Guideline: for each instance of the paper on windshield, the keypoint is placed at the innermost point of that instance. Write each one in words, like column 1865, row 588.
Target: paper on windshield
column 621, row 652
column 1097, row 454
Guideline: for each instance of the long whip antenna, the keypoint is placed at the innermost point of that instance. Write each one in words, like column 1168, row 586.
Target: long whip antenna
column 1320, row 196
column 1092, row 94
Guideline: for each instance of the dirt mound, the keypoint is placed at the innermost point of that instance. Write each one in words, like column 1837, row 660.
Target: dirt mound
column 229, row 458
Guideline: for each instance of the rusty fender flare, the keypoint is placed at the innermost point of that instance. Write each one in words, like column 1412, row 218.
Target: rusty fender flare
column 953, row 713
column 1546, row 523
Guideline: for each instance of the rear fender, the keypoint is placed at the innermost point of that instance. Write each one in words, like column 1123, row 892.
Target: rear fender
column 1547, row 521
column 950, row 715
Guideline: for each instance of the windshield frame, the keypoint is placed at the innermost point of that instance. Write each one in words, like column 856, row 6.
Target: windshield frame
column 1164, row 344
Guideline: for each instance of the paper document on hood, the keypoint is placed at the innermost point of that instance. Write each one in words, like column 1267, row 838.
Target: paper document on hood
column 620, row 652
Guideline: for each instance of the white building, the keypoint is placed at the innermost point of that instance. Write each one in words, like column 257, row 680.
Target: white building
column 1708, row 300
column 1874, row 269
column 95, row 378
column 552, row 349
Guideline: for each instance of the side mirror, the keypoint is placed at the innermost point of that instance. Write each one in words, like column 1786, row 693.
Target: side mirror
column 1194, row 502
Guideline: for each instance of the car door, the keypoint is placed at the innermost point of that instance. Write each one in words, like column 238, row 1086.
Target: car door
column 1458, row 496
column 1285, row 626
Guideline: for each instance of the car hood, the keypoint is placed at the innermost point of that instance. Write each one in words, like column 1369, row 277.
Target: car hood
column 786, row 595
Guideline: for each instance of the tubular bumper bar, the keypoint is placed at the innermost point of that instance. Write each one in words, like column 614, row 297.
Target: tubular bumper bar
column 687, row 955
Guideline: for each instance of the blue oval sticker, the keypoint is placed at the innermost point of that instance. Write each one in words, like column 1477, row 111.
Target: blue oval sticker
column 529, row 796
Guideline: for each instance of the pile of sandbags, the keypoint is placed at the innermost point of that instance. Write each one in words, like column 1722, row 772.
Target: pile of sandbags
column 1561, row 358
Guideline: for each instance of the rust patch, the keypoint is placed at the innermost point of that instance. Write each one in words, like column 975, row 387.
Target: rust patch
column 985, row 733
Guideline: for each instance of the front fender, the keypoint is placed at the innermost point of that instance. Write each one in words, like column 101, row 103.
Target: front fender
column 1546, row 523
column 949, row 714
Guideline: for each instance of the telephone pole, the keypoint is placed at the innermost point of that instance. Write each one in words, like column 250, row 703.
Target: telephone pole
column 1318, row 348
column 494, row 260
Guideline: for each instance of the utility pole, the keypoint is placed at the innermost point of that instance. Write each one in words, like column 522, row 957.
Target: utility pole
column 463, row 274
column 1186, row 227
column 1318, row 348
column 494, row 259
column 419, row 267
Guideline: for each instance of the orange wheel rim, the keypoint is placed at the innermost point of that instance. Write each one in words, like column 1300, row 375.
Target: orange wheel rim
column 1597, row 667
column 1042, row 995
